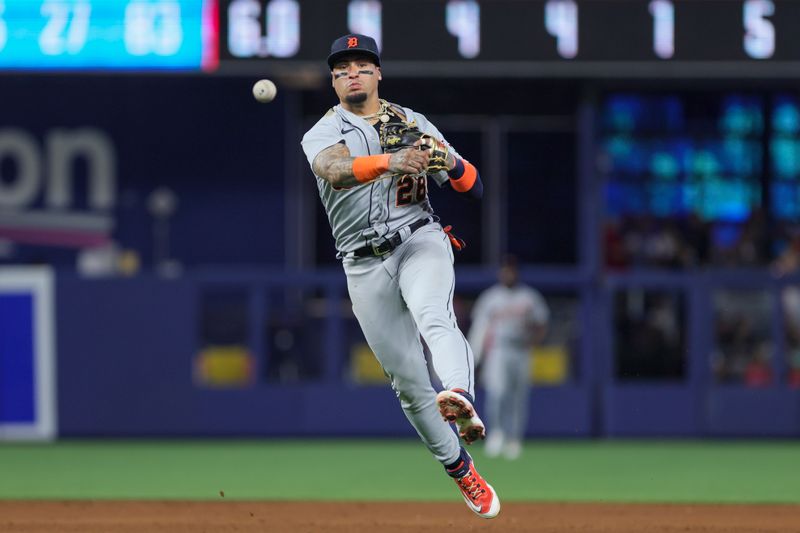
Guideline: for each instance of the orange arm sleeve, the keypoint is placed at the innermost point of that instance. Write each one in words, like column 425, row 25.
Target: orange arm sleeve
column 367, row 168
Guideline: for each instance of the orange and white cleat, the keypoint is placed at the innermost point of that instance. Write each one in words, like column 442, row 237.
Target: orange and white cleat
column 479, row 495
column 457, row 408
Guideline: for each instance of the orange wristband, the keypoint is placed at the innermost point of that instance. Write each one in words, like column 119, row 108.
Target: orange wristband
column 369, row 167
column 467, row 179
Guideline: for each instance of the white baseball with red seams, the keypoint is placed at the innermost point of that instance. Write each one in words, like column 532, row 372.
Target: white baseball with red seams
column 265, row 91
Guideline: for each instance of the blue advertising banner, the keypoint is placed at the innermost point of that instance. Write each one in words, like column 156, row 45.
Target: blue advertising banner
column 27, row 354
column 17, row 391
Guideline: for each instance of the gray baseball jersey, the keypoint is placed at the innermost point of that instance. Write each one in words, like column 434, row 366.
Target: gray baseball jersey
column 502, row 318
column 501, row 336
column 365, row 215
column 407, row 293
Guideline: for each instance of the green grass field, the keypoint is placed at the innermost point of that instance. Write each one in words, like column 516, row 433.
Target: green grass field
column 619, row 471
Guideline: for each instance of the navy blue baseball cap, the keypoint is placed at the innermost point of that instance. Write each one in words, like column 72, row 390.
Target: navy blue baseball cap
column 354, row 42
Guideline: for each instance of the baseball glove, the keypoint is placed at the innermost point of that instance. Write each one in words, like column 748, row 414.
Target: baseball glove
column 395, row 137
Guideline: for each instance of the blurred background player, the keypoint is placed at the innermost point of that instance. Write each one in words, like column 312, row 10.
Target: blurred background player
column 508, row 319
column 397, row 258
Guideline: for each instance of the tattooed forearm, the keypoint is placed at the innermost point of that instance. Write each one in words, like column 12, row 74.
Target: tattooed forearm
column 335, row 165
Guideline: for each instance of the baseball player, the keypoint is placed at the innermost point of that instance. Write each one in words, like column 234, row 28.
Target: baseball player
column 508, row 319
column 397, row 257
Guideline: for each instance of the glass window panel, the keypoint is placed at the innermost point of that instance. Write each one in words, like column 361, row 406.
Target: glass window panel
column 294, row 332
column 742, row 345
column 790, row 303
column 224, row 358
column 649, row 335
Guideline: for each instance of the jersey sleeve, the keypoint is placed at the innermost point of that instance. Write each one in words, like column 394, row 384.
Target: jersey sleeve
column 480, row 326
column 540, row 312
column 324, row 134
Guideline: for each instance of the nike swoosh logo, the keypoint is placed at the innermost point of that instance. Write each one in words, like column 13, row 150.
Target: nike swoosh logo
column 476, row 508
column 348, row 131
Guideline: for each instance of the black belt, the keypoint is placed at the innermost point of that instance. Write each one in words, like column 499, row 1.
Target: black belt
column 377, row 250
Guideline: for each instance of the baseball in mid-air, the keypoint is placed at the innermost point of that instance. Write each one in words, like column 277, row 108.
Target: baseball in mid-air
column 264, row 91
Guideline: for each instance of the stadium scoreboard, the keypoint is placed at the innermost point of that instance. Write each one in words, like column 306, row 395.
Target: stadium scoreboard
column 593, row 38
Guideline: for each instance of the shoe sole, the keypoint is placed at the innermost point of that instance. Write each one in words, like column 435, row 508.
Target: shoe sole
column 456, row 409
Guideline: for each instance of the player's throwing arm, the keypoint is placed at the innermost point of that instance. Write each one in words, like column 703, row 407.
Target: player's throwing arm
column 335, row 165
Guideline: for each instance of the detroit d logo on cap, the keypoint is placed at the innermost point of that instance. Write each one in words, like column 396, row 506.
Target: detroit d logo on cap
column 352, row 42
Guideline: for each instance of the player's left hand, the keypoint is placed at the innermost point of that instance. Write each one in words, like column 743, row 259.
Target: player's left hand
column 395, row 137
column 439, row 152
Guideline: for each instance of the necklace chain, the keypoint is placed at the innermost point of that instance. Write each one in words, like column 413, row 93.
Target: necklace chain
column 383, row 110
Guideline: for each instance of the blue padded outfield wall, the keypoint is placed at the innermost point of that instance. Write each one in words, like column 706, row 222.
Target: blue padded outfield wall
column 227, row 313
column 127, row 349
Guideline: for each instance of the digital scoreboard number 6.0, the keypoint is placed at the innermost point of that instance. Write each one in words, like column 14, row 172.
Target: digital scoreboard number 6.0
column 517, row 30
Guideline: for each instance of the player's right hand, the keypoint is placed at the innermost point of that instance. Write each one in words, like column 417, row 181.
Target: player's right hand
column 409, row 161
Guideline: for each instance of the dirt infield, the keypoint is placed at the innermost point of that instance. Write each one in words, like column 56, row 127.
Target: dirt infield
column 300, row 517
